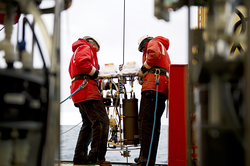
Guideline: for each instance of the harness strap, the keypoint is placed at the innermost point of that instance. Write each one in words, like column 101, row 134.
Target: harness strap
column 163, row 71
column 80, row 77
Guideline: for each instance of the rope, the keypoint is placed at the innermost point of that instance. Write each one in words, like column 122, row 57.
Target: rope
column 79, row 88
column 70, row 129
column 2, row 28
column 84, row 83
column 153, row 130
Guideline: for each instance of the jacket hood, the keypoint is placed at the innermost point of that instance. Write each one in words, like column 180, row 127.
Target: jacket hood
column 163, row 40
column 78, row 43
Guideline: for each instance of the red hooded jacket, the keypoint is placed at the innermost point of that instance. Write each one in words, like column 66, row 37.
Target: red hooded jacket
column 84, row 61
column 155, row 54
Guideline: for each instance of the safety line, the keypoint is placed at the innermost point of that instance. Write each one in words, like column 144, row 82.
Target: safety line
column 79, row 88
column 153, row 130
column 70, row 129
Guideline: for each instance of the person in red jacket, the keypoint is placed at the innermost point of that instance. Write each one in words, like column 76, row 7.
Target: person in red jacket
column 84, row 67
column 156, row 65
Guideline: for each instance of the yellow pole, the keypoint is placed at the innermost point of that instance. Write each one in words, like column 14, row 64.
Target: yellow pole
column 201, row 17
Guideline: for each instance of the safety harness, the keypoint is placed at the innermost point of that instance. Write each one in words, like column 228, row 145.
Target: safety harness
column 81, row 77
column 160, row 71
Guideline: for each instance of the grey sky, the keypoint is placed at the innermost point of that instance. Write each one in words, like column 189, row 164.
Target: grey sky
column 103, row 19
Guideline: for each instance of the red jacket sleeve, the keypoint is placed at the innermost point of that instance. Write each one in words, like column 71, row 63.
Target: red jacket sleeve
column 84, row 60
column 153, row 54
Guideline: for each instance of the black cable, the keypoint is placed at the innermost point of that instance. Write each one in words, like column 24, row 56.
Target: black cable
column 243, row 30
column 238, row 46
column 25, row 20
column 2, row 28
column 125, row 92
column 242, row 21
column 230, row 112
column 123, row 31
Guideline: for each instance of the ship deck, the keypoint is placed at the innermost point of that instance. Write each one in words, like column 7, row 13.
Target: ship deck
column 70, row 163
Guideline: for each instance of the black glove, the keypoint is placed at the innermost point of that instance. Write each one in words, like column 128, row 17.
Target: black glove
column 95, row 75
column 143, row 69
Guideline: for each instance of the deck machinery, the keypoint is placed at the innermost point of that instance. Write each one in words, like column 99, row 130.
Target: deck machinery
column 122, row 108
column 218, row 126
column 218, row 85
column 30, row 106
column 29, row 114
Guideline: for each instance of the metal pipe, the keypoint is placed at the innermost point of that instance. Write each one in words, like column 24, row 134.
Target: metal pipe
column 247, row 90
column 31, row 8
column 123, row 31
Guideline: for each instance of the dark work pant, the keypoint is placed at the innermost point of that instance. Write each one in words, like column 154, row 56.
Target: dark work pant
column 94, row 129
column 145, row 124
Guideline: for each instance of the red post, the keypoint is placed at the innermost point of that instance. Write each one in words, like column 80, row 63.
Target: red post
column 16, row 18
column 177, row 142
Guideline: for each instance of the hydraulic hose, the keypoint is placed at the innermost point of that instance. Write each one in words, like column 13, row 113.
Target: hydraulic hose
column 31, row 8
column 152, row 137
column 25, row 20
column 242, row 22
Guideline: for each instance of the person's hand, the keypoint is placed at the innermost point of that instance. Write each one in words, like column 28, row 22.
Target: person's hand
column 140, row 80
column 140, row 73
column 95, row 75
column 141, row 76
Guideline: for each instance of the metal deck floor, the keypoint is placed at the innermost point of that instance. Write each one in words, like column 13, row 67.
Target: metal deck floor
column 70, row 163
